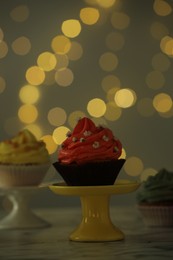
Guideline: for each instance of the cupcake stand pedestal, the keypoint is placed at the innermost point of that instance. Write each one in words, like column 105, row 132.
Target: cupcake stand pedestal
column 96, row 224
column 21, row 216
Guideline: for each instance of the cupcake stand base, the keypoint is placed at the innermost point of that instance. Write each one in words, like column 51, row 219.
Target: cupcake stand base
column 21, row 216
column 96, row 224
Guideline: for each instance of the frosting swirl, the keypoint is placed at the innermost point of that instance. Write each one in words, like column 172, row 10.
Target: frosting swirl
column 158, row 188
column 23, row 149
column 88, row 143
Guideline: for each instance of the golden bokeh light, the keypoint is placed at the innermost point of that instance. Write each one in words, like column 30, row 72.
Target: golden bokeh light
column 109, row 82
column 167, row 114
column 162, row 8
column 61, row 44
column 155, row 79
column 160, row 62
column 162, row 102
column 166, row 45
column 133, row 166
column 120, row 20
column 115, row 41
column 62, row 61
column 96, row 107
column 158, row 30
column 2, row 84
column 89, row 15
column 125, row 97
column 60, row 134
column 28, row 113
column 47, row 61
column 71, row 28
column 21, row 45
column 145, row 107
column 76, row 51
column 29, row 94
column 113, row 112
column 20, row 13
column 64, row 77
column 108, row 61
column 147, row 173
column 57, row 116
column 74, row 117
column 106, row 3
column 50, row 143
column 1, row 35
column 35, row 75
column 3, row 49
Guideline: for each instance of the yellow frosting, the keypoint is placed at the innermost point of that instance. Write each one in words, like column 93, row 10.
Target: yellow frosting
column 23, row 149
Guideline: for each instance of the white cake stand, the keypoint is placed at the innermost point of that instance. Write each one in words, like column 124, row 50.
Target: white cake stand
column 21, row 216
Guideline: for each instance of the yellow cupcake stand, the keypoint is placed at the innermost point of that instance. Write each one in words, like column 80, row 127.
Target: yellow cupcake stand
column 96, row 224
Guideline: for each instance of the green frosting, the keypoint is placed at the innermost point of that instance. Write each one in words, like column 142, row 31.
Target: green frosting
column 158, row 188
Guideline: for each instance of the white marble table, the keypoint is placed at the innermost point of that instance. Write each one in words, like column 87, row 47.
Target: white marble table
column 53, row 243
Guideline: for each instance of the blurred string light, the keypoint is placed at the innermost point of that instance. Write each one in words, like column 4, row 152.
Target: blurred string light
column 28, row 113
column 47, row 61
column 60, row 134
column 125, row 98
column 61, row 44
column 71, row 28
column 162, row 102
column 158, row 30
column 133, row 166
column 110, row 81
column 52, row 67
column 29, row 94
column 21, row 45
column 89, row 15
column 108, row 61
column 35, row 75
column 57, row 116
column 162, row 7
column 166, row 45
column 20, row 13
column 96, row 107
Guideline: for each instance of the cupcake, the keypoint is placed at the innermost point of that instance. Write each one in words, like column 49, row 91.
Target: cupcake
column 155, row 199
column 89, row 156
column 24, row 160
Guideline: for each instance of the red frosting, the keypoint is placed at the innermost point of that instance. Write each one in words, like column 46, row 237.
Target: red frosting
column 88, row 143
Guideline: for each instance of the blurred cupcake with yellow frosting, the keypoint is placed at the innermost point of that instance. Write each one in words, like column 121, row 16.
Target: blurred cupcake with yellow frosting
column 24, row 160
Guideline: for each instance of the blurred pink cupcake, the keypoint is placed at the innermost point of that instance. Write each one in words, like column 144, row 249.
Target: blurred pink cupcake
column 24, row 160
column 155, row 199
column 89, row 156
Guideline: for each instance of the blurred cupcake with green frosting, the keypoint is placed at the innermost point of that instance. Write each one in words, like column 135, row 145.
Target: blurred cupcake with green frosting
column 155, row 199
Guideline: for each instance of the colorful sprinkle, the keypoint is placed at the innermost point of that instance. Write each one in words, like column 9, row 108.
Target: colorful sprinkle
column 116, row 149
column 105, row 138
column 96, row 144
column 74, row 139
column 82, row 139
column 87, row 133
column 68, row 134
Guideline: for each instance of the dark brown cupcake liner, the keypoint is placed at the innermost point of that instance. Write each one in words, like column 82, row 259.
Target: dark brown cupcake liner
column 90, row 174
